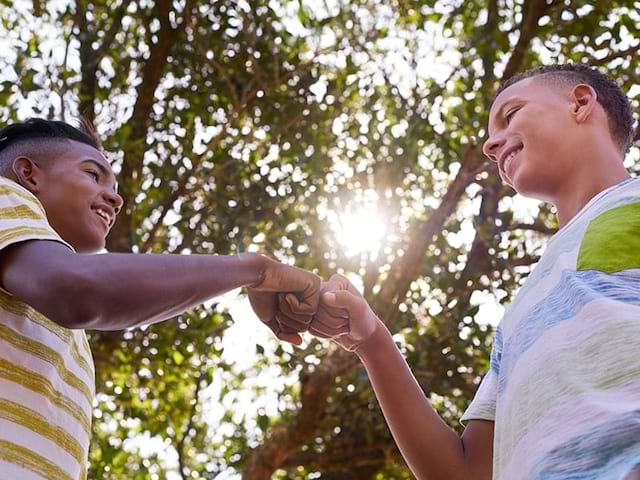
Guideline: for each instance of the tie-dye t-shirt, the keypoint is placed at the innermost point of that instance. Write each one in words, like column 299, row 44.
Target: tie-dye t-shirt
column 564, row 384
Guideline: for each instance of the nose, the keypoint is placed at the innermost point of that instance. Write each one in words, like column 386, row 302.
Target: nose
column 492, row 146
column 114, row 199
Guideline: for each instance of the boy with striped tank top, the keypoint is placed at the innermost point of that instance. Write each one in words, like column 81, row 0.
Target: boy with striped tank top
column 58, row 201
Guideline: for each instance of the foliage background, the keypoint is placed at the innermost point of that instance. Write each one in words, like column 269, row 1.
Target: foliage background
column 276, row 126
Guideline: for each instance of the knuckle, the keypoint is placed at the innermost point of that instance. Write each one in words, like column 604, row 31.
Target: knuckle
column 301, row 309
column 337, row 279
column 295, row 321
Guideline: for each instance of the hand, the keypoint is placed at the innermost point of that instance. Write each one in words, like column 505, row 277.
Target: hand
column 343, row 315
column 285, row 298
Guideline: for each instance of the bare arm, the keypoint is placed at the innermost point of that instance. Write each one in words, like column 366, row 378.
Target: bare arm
column 431, row 449
column 116, row 291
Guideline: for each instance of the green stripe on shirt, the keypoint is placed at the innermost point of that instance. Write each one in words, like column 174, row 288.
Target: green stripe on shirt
column 612, row 241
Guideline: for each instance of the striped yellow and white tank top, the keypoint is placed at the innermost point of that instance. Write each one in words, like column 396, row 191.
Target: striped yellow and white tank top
column 46, row 371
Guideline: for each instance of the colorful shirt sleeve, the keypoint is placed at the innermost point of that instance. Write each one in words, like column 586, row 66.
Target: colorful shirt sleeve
column 22, row 216
column 483, row 406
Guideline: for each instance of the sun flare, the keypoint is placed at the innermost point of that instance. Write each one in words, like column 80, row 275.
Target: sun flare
column 361, row 231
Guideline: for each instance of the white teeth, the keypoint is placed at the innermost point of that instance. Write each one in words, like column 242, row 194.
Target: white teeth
column 104, row 215
column 509, row 158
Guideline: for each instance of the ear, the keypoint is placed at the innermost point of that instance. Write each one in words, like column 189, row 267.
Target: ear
column 583, row 102
column 29, row 174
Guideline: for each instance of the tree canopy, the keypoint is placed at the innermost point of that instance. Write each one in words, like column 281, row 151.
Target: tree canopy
column 337, row 135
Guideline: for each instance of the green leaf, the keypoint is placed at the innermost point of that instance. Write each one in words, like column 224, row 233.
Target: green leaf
column 178, row 358
column 263, row 422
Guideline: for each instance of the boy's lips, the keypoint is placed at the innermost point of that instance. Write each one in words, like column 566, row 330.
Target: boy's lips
column 106, row 215
column 103, row 221
column 507, row 158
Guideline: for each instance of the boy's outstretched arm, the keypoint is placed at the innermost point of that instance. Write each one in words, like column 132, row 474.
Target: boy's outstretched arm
column 431, row 449
column 115, row 291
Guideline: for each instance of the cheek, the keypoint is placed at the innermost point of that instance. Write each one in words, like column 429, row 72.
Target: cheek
column 547, row 147
column 549, row 132
column 540, row 175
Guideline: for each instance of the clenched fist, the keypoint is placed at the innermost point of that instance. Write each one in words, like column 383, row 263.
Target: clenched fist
column 285, row 298
column 343, row 315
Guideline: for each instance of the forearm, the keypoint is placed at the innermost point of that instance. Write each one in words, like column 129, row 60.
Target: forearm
column 129, row 290
column 430, row 448
column 116, row 291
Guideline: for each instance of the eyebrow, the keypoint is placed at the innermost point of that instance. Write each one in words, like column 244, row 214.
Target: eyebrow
column 104, row 170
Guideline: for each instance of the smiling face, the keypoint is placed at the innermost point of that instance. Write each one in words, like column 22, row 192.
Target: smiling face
column 535, row 137
column 78, row 192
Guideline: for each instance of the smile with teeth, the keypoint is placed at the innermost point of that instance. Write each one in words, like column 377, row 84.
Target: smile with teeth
column 104, row 215
column 508, row 160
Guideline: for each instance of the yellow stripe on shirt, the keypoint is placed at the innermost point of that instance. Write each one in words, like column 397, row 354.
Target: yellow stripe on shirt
column 25, row 458
column 87, row 347
column 47, row 354
column 32, row 420
column 19, row 212
column 21, row 309
column 59, row 407
column 40, row 384
column 7, row 191
column 17, row 234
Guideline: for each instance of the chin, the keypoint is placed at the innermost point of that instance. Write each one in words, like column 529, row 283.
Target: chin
column 536, row 189
column 93, row 246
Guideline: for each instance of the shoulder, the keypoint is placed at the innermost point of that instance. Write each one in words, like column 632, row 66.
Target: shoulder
column 13, row 195
column 22, row 216
column 611, row 242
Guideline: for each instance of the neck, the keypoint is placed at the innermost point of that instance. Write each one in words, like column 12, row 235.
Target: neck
column 600, row 169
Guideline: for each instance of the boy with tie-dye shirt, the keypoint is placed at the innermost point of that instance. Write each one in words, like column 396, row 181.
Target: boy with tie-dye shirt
column 562, row 397
column 564, row 383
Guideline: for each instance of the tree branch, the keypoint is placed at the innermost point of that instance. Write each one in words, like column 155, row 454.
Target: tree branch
column 405, row 269
column 120, row 239
column 114, row 28
column 536, row 227
column 90, row 57
column 345, row 460
column 533, row 11
column 286, row 438
column 597, row 62
column 524, row 261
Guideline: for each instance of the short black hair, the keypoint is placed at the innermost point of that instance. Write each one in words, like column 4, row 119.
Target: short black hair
column 32, row 135
column 610, row 95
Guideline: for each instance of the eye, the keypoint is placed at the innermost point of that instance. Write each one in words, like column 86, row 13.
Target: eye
column 509, row 115
column 94, row 174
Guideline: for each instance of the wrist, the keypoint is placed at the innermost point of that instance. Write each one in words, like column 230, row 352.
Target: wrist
column 255, row 265
column 371, row 345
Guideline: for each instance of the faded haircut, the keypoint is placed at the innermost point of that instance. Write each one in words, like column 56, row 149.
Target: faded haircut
column 610, row 96
column 41, row 140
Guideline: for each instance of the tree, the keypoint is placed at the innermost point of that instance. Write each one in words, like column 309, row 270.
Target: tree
column 254, row 126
